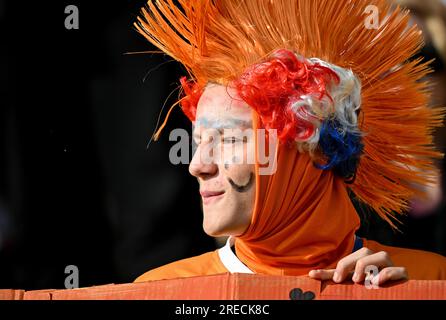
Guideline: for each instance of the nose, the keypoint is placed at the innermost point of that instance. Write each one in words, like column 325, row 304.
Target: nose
column 202, row 165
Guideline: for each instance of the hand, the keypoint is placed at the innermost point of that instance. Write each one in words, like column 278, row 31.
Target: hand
column 356, row 263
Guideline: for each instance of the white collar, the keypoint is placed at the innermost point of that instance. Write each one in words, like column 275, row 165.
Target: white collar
column 230, row 260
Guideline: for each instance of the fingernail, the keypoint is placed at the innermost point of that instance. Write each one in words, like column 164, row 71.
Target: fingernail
column 336, row 277
column 355, row 277
column 314, row 272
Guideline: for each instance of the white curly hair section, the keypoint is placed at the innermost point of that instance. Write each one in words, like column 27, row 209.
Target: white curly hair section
column 343, row 106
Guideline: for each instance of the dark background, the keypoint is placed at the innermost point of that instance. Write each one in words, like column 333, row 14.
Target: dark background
column 77, row 184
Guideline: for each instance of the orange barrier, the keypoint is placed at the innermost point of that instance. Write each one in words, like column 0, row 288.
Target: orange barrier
column 241, row 287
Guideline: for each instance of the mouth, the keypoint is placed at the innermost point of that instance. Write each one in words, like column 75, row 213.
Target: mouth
column 209, row 197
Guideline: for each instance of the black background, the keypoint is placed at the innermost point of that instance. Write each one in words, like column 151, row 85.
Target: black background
column 77, row 184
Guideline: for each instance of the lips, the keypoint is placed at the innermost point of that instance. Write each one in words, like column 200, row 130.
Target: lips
column 211, row 196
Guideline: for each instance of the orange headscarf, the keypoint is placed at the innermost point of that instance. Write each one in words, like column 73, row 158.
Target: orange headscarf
column 303, row 218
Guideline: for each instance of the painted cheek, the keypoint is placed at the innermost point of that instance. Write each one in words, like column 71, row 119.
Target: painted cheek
column 239, row 176
column 242, row 186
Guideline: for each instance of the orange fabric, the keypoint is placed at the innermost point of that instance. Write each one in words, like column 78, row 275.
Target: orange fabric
column 203, row 265
column 303, row 218
column 420, row 265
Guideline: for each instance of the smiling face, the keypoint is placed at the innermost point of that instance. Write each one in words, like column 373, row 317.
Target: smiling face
column 221, row 163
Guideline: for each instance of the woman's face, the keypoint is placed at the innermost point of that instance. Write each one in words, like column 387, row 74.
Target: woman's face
column 222, row 162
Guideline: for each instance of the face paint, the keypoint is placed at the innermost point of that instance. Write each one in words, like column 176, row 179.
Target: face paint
column 220, row 125
column 242, row 188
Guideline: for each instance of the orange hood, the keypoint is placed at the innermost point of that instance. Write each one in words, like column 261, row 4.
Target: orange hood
column 303, row 218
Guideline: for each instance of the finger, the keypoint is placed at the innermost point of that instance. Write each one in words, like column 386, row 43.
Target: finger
column 347, row 264
column 320, row 274
column 379, row 259
column 326, row 274
column 389, row 274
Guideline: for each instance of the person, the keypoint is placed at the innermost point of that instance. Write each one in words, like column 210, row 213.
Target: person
column 341, row 107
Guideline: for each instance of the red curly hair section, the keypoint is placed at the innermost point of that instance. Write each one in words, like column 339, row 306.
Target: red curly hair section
column 189, row 102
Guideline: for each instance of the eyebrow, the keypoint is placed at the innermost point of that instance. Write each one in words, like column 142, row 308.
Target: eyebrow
column 230, row 123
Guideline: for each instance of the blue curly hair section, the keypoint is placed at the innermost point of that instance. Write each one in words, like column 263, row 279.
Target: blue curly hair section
column 342, row 148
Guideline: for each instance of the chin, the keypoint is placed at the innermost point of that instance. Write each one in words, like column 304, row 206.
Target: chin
column 221, row 231
column 214, row 232
column 214, row 229
column 222, row 222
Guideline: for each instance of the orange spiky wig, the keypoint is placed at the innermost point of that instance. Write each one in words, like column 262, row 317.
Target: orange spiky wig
column 248, row 44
